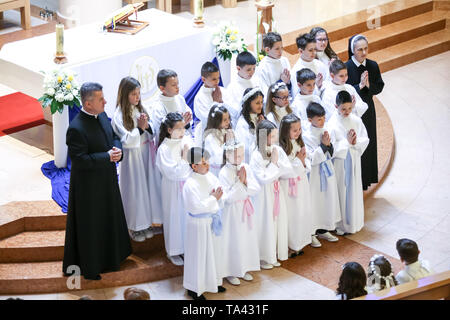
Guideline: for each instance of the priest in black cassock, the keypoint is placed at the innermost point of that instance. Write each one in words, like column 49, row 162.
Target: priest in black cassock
column 97, row 239
column 364, row 74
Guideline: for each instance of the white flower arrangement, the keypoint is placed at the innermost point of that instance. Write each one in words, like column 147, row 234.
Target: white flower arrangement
column 227, row 40
column 60, row 88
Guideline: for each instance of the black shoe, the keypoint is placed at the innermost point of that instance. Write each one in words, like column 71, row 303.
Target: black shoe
column 300, row 253
column 194, row 295
column 293, row 255
column 221, row 289
column 97, row 277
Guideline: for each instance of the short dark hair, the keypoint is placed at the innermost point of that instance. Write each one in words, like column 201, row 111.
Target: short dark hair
column 314, row 109
column 270, row 38
column 304, row 75
column 196, row 154
column 408, row 250
column 343, row 97
column 164, row 75
column 87, row 90
column 208, row 68
column 245, row 58
column 303, row 40
column 336, row 66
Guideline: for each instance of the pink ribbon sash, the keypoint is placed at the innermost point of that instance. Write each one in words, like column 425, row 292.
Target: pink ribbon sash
column 248, row 211
column 181, row 184
column 276, row 204
column 152, row 149
column 293, row 186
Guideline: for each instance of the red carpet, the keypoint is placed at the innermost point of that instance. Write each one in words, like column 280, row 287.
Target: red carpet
column 19, row 112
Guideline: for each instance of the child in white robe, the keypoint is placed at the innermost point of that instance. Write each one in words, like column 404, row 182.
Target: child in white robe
column 171, row 160
column 306, row 45
column 324, row 53
column 252, row 112
column 277, row 104
column 349, row 137
column 268, row 163
column 339, row 76
column 306, row 82
column 169, row 100
column 273, row 67
column 239, row 241
column 295, row 185
column 246, row 78
column 209, row 93
column 217, row 132
column 322, row 178
column 202, row 196
column 131, row 123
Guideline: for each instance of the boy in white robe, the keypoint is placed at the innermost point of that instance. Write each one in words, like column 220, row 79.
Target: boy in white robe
column 268, row 163
column 172, row 162
column 169, row 100
column 246, row 78
column 339, row 76
column 322, row 178
column 306, row 45
column 306, row 82
column 273, row 67
column 349, row 137
column 202, row 196
column 239, row 241
column 209, row 93
column 414, row 268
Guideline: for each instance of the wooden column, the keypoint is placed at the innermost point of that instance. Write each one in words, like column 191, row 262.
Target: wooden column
column 229, row 3
column 25, row 15
column 266, row 12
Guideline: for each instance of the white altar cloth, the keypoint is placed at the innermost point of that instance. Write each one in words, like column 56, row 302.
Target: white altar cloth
column 99, row 56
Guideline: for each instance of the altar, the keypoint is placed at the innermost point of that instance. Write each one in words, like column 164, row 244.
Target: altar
column 99, row 56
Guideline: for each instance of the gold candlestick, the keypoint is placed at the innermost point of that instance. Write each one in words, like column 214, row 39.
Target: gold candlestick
column 198, row 14
column 60, row 56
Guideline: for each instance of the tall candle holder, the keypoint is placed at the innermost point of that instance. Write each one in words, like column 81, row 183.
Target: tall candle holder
column 198, row 14
column 60, row 56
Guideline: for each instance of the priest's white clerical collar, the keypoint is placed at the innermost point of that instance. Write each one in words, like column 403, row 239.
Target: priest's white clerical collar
column 92, row 115
column 357, row 62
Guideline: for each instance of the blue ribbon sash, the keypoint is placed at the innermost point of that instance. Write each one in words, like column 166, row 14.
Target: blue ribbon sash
column 216, row 224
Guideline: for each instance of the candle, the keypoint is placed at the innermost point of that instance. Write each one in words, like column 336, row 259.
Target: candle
column 59, row 39
column 198, row 9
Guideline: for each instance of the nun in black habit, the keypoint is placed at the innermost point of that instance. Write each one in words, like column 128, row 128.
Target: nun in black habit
column 364, row 75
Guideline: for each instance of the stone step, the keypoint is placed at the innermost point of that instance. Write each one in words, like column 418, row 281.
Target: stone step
column 47, row 277
column 40, row 246
column 398, row 32
column 413, row 50
column 358, row 22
